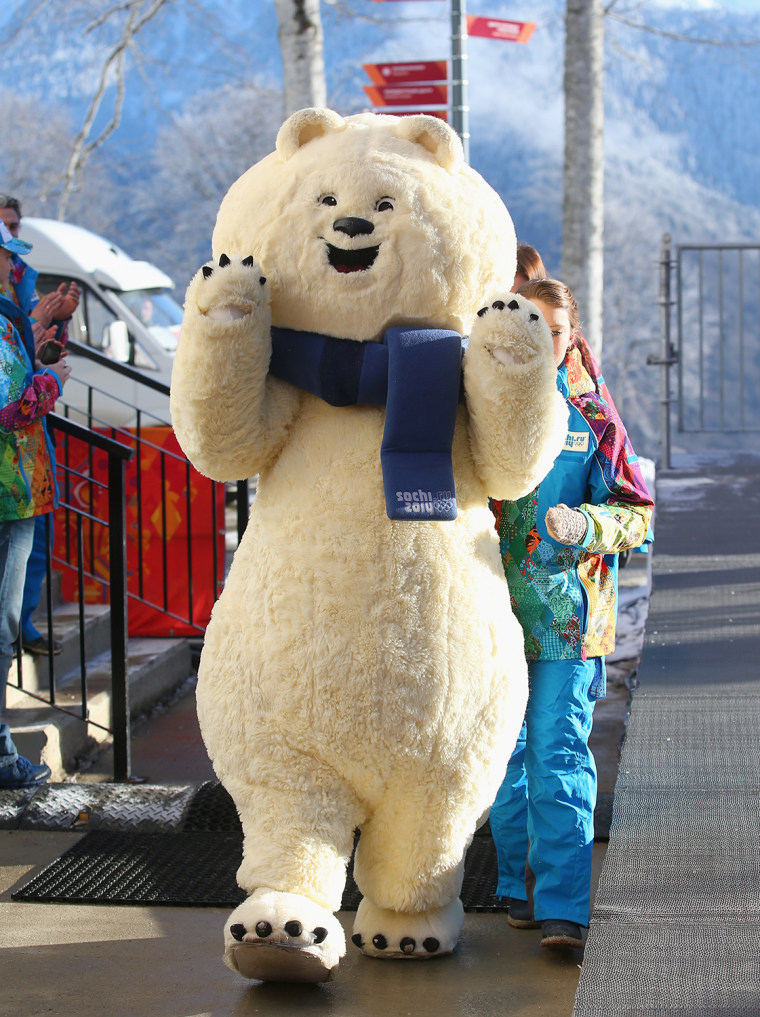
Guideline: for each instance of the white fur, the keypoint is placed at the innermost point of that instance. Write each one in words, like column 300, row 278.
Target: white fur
column 359, row 672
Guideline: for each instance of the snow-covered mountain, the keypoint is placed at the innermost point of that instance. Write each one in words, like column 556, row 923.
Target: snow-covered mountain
column 682, row 138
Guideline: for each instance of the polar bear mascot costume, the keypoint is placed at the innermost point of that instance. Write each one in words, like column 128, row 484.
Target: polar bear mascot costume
column 362, row 670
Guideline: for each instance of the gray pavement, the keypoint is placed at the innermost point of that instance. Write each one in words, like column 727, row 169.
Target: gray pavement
column 90, row 960
column 131, row 961
column 676, row 921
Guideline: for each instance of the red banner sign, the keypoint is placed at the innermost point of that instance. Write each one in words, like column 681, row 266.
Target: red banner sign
column 399, row 74
column 407, row 95
column 159, row 526
column 494, row 28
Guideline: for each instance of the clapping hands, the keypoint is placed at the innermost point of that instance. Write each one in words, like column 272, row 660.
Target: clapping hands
column 57, row 305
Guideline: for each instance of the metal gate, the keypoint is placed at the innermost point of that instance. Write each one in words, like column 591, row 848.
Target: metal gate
column 716, row 313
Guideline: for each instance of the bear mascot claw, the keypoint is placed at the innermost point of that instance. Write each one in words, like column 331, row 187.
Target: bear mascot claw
column 362, row 669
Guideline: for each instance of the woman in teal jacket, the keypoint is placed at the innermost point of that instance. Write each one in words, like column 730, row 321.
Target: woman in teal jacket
column 559, row 547
column 54, row 309
column 27, row 484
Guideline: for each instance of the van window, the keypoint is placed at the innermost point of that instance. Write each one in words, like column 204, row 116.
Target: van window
column 160, row 314
column 105, row 332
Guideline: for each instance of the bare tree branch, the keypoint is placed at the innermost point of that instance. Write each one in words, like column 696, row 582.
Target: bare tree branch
column 114, row 63
column 678, row 36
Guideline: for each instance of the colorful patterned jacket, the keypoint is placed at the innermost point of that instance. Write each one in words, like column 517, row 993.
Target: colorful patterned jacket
column 27, row 464
column 23, row 280
column 565, row 598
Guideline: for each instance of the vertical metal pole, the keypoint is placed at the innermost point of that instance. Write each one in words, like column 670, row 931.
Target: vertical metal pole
column 666, row 350
column 243, row 508
column 459, row 108
column 117, row 549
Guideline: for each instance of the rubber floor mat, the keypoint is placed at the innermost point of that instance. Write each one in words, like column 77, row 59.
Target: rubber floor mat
column 193, row 869
column 194, row 865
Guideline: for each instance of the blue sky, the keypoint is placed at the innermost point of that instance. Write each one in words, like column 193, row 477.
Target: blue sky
column 751, row 6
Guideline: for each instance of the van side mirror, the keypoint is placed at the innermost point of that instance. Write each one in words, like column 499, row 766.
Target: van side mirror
column 116, row 341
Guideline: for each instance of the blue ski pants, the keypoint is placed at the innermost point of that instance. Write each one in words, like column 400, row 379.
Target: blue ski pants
column 544, row 810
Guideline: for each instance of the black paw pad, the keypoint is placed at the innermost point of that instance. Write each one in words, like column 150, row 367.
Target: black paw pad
column 320, row 934
column 498, row 305
column 407, row 945
column 248, row 261
column 513, row 305
column 263, row 929
column 357, row 940
column 238, row 932
column 380, row 942
column 207, row 271
column 293, row 928
column 533, row 317
column 224, row 261
column 482, row 311
column 431, row 944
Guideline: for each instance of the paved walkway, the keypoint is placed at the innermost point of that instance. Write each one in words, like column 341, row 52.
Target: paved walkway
column 676, row 923
column 684, row 840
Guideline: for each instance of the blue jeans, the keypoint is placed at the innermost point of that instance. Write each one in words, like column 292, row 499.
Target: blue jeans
column 544, row 811
column 16, row 538
column 36, row 570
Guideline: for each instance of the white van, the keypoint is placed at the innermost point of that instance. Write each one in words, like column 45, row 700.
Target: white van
column 126, row 313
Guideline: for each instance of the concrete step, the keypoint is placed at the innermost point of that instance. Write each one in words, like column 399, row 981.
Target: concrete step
column 93, row 630
column 156, row 668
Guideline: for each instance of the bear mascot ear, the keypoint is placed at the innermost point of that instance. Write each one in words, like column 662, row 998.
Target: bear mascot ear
column 304, row 126
column 434, row 135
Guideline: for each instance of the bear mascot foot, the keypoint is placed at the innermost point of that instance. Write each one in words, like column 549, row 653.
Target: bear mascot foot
column 283, row 937
column 423, row 935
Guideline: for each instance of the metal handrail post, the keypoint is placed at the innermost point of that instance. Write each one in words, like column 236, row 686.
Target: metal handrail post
column 666, row 350
column 117, row 549
column 668, row 355
column 459, row 108
column 243, row 508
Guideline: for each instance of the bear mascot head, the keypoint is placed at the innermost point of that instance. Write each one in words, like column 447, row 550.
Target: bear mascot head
column 362, row 669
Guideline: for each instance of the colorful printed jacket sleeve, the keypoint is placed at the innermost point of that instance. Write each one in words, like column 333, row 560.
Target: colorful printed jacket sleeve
column 38, row 395
column 619, row 512
column 37, row 399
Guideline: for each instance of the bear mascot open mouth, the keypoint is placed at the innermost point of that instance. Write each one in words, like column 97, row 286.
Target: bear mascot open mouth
column 351, row 261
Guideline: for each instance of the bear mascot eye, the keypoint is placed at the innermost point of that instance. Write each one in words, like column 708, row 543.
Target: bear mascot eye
column 328, row 199
column 385, row 205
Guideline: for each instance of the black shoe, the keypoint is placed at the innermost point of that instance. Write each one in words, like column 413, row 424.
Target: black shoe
column 41, row 646
column 558, row 934
column 21, row 774
column 520, row 914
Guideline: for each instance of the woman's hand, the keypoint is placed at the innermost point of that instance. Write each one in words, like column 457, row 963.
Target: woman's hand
column 70, row 301
column 62, row 369
column 42, row 334
column 46, row 309
column 566, row 525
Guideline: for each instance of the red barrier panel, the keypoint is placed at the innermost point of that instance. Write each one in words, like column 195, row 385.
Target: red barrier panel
column 170, row 534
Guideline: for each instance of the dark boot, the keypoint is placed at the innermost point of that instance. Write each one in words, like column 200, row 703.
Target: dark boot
column 520, row 914
column 558, row 934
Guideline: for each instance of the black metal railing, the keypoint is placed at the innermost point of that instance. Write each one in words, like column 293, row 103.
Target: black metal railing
column 175, row 517
column 136, row 528
column 710, row 308
column 115, row 526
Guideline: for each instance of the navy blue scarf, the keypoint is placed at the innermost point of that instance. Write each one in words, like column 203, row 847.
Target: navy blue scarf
column 416, row 375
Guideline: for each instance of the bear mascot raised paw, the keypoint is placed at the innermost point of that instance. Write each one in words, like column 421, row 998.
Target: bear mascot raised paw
column 362, row 669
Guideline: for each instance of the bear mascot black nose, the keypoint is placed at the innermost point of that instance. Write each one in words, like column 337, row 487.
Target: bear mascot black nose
column 353, row 226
